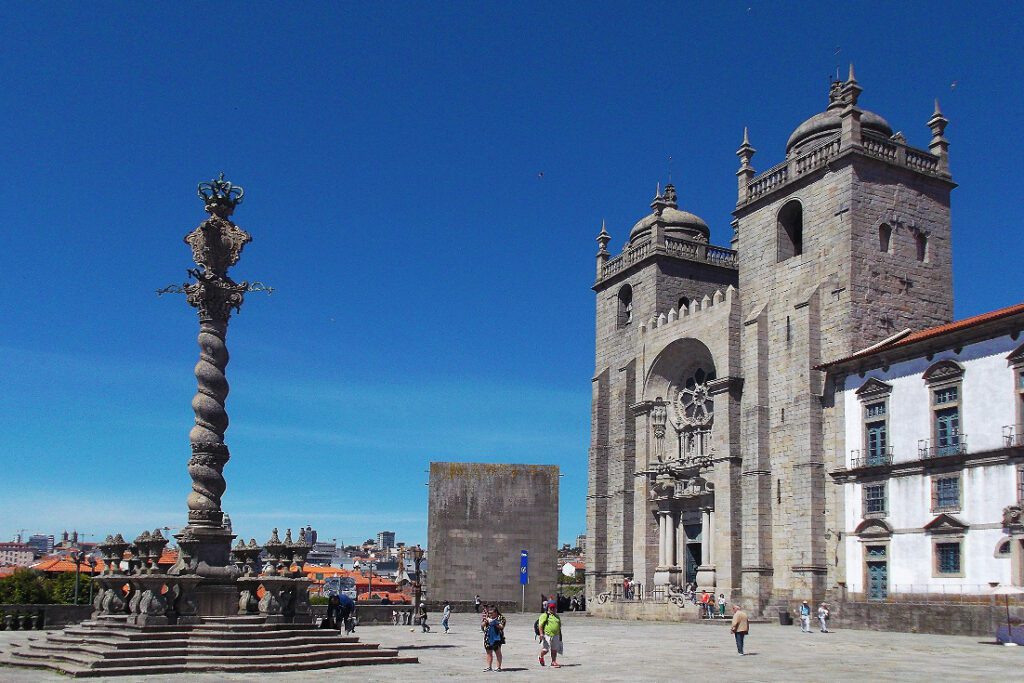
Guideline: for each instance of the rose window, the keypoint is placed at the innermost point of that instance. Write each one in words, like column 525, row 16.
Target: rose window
column 694, row 404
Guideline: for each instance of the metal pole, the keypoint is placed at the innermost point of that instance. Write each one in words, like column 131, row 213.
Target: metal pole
column 524, row 597
column 78, row 574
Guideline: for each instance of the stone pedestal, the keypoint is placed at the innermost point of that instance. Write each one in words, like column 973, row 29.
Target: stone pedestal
column 148, row 603
column 706, row 576
column 668, row 576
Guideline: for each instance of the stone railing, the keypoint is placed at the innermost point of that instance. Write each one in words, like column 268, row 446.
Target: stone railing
column 879, row 147
column 627, row 258
column 691, row 250
column 817, row 156
column 774, row 177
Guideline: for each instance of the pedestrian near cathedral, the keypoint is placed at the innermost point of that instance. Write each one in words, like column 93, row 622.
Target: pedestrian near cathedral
column 805, row 617
column 740, row 627
column 446, row 614
column 823, row 615
column 476, row 604
column 493, row 625
column 550, row 626
column 721, row 605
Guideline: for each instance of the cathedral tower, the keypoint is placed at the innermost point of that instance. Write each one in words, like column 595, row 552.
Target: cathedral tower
column 843, row 244
column 666, row 265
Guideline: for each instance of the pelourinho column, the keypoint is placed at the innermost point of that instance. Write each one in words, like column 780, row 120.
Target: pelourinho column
column 216, row 246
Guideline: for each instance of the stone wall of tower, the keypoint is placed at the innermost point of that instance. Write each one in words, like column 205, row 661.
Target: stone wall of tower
column 893, row 290
column 797, row 313
column 657, row 285
column 841, row 294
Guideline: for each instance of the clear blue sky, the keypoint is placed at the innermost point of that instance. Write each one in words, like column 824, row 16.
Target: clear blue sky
column 433, row 293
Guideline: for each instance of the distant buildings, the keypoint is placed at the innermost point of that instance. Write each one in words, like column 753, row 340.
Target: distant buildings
column 385, row 539
column 581, row 542
column 42, row 544
column 21, row 554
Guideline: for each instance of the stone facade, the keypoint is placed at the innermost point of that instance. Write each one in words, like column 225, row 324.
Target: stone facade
column 712, row 429
column 482, row 516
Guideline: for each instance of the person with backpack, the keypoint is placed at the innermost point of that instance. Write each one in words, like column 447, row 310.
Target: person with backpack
column 549, row 628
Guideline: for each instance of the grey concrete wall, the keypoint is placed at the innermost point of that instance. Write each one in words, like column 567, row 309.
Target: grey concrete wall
column 956, row 620
column 481, row 516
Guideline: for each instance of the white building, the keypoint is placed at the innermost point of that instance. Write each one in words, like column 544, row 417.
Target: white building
column 20, row 554
column 934, row 453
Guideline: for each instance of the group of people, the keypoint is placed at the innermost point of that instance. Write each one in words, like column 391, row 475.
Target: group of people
column 547, row 629
column 805, row 617
column 710, row 606
column 628, row 588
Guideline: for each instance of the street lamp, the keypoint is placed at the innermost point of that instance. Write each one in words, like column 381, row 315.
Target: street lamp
column 77, row 556
column 417, row 557
column 369, row 577
column 92, row 573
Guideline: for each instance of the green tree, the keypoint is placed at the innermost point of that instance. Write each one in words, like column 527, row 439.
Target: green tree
column 25, row 587
column 62, row 589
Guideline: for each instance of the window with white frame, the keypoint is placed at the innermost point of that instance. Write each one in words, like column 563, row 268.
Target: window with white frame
column 874, row 398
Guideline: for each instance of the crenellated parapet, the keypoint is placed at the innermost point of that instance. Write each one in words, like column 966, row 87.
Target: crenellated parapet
column 698, row 309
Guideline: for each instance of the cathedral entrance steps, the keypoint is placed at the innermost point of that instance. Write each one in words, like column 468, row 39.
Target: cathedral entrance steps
column 244, row 646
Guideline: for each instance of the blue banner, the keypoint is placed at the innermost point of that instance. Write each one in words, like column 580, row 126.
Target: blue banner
column 524, row 564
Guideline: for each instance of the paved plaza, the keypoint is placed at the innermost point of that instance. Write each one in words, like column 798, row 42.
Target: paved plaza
column 606, row 650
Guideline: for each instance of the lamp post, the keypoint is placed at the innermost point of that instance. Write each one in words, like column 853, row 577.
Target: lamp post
column 417, row 557
column 92, row 573
column 77, row 557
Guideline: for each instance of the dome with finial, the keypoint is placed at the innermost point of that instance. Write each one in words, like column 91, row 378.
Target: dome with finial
column 829, row 122
column 678, row 223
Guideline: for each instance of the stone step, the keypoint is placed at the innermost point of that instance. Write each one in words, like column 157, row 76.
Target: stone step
column 149, row 636
column 83, row 671
column 291, row 646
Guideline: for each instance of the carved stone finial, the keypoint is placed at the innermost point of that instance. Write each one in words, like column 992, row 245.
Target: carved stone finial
column 851, row 78
column 670, row 196
column 219, row 196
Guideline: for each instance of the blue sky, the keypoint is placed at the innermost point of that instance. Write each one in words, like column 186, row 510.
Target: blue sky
column 424, row 184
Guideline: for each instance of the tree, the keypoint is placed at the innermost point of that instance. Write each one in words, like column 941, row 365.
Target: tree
column 25, row 587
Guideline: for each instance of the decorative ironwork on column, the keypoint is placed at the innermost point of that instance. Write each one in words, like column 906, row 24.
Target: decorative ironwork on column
column 216, row 245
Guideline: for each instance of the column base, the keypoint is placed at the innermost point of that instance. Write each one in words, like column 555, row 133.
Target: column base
column 665, row 576
column 706, row 576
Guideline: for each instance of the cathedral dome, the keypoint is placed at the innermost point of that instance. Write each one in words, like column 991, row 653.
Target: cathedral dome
column 678, row 223
column 829, row 122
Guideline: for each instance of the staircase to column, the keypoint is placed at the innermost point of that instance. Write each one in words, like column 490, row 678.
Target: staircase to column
column 109, row 647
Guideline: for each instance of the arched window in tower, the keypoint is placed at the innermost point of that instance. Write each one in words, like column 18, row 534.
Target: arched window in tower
column 922, row 247
column 684, row 303
column 884, row 238
column 791, row 230
column 625, row 316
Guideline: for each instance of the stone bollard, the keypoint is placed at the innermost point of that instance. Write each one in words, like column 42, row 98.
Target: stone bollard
column 11, row 621
column 26, row 621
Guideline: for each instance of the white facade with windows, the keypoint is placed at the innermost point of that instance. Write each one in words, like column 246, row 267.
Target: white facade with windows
column 934, row 460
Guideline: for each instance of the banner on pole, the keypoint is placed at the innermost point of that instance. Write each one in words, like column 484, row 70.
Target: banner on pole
column 524, row 568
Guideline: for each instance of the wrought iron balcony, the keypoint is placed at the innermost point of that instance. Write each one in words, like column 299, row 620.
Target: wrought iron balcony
column 1013, row 436
column 874, row 458
column 932, row 448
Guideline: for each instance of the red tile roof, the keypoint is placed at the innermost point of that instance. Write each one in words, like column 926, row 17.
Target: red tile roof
column 932, row 332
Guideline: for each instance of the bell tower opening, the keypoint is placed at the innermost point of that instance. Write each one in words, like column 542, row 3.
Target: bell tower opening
column 791, row 230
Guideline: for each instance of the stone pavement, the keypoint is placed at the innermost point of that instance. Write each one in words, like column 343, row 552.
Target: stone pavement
column 607, row 650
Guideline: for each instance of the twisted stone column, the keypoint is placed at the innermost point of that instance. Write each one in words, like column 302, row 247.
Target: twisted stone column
column 209, row 452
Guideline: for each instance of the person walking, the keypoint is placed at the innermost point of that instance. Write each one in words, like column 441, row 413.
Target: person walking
column 446, row 614
column 476, row 604
column 805, row 617
column 493, row 626
column 823, row 615
column 721, row 605
column 422, row 618
column 740, row 627
column 550, row 626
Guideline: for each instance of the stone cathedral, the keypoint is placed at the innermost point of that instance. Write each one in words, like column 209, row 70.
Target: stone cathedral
column 712, row 427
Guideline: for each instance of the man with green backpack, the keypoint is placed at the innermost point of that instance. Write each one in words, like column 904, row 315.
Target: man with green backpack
column 549, row 628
